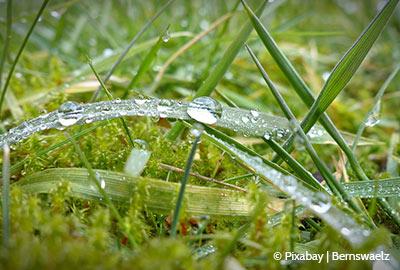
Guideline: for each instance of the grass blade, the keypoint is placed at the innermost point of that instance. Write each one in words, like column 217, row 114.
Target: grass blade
column 220, row 69
column 5, row 203
column 6, row 39
column 186, row 47
column 110, row 97
column 21, row 49
column 130, row 45
column 145, row 64
column 375, row 105
column 333, row 184
column 317, row 202
column 158, row 196
column 305, row 93
column 348, row 65
column 374, row 188
column 98, row 182
column 197, row 133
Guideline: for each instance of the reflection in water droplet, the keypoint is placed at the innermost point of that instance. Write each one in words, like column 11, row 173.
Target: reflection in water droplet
column 205, row 110
column 66, row 122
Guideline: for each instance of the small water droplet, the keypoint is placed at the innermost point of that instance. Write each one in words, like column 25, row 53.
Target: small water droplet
column 55, row 14
column 254, row 113
column 197, row 129
column 374, row 118
column 205, row 110
column 326, row 75
column 166, row 37
column 267, row 136
column 108, row 52
column 245, row 119
column 140, row 101
column 164, row 107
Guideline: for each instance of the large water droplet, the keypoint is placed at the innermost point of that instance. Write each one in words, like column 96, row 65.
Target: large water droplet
column 197, row 129
column 138, row 158
column 205, row 110
column 69, row 113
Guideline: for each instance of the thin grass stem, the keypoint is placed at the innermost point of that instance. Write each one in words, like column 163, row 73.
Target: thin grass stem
column 21, row 49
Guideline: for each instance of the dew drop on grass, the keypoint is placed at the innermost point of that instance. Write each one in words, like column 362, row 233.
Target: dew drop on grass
column 245, row 119
column 197, row 129
column 138, row 158
column 345, row 231
column 166, row 37
column 267, row 136
column 205, row 110
column 69, row 106
column 374, row 118
column 70, row 113
column 254, row 113
column 163, row 107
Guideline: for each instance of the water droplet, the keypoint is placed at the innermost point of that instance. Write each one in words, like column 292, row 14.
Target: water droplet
column 326, row 75
column 69, row 114
column 345, row 231
column 254, row 113
column 166, row 37
column 245, row 119
column 205, row 110
column 55, row 14
column 320, row 203
column 197, row 129
column 138, row 158
column 108, row 52
column 374, row 118
column 140, row 101
column 204, row 24
column 267, row 136
column 69, row 106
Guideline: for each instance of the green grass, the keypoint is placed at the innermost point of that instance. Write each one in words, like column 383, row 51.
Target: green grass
column 270, row 174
